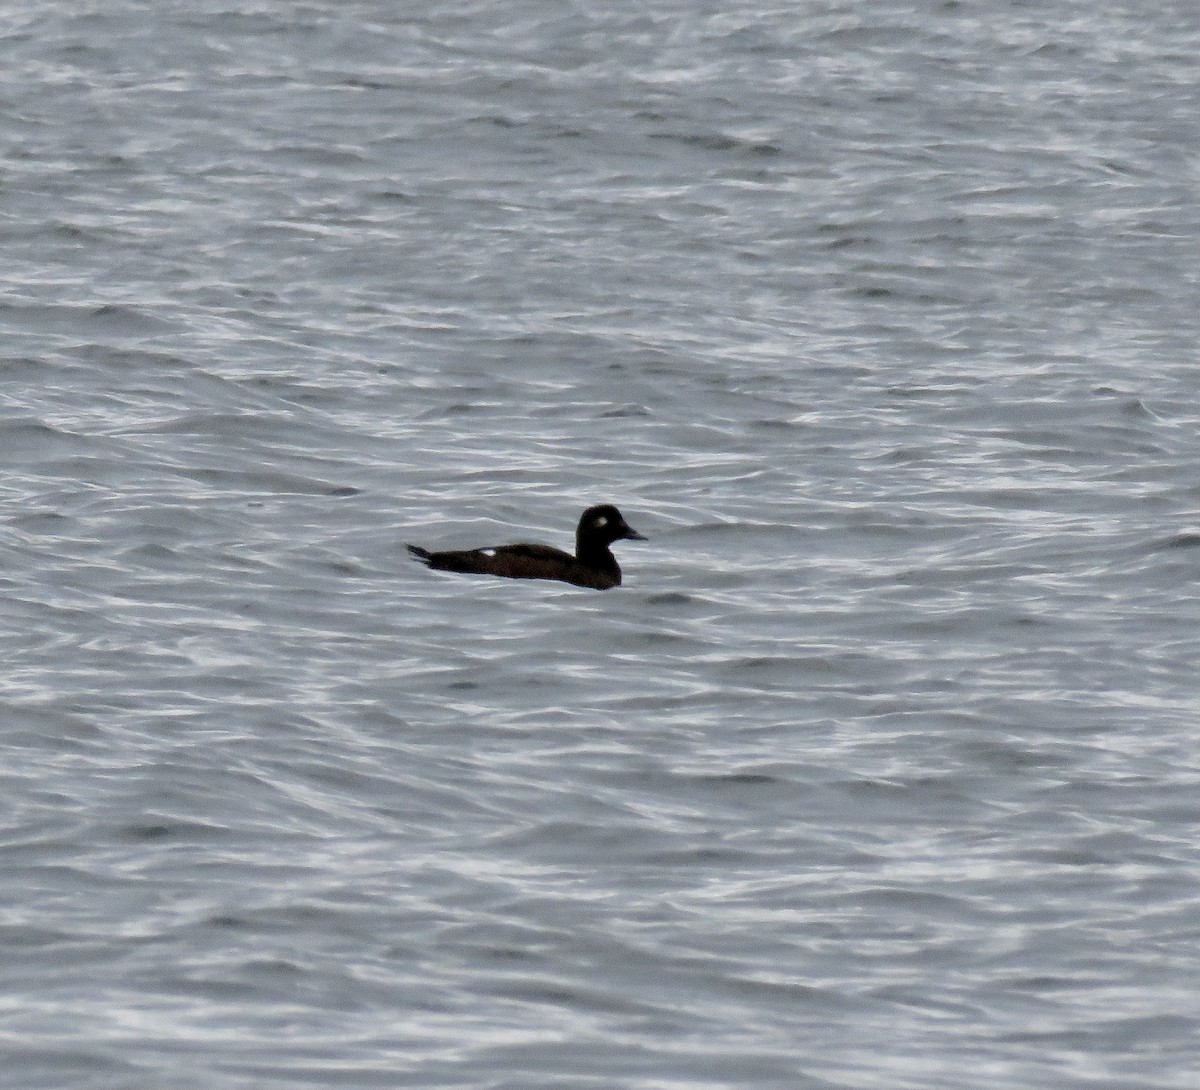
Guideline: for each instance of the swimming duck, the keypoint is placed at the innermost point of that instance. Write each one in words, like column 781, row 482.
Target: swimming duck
column 593, row 564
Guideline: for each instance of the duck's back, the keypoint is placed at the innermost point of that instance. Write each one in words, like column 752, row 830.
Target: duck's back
column 524, row 561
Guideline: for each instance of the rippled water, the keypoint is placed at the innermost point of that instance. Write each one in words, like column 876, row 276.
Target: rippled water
column 878, row 319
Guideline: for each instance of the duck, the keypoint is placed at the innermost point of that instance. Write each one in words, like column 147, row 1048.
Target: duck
column 593, row 565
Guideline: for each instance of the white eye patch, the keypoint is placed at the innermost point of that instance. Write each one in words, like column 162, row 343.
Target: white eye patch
column 601, row 521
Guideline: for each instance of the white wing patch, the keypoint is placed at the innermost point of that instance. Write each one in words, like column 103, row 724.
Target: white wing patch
column 488, row 552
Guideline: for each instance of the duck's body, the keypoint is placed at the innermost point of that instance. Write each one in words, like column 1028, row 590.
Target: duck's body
column 593, row 564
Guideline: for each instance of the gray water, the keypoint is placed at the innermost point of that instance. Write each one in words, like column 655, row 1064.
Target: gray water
column 878, row 318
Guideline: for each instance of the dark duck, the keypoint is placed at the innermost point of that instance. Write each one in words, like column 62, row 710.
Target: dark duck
column 593, row 564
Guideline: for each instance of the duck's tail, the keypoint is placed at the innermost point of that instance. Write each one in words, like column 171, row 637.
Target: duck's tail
column 419, row 553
